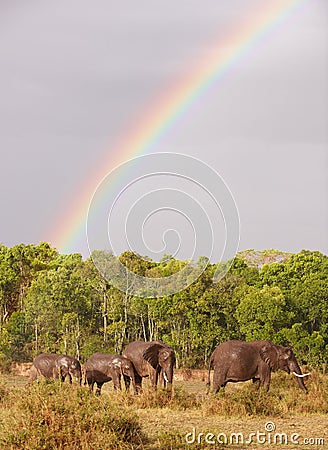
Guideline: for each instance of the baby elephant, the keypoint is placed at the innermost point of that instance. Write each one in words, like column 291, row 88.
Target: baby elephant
column 103, row 367
column 57, row 367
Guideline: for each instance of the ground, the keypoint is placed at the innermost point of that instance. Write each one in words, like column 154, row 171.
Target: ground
column 285, row 419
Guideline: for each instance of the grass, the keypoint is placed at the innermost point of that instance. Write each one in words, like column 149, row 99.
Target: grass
column 53, row 415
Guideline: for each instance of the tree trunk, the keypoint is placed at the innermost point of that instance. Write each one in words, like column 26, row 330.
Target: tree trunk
column 36, row 336
column 105, row 315
column 143, row 328
column 77, row 339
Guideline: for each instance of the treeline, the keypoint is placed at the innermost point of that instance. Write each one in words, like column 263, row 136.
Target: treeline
column 60, row 303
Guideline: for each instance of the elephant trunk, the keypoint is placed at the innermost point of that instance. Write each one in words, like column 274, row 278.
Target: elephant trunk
column 133, row 379
column 168, row 376
column 295, row 369
column 76, row 375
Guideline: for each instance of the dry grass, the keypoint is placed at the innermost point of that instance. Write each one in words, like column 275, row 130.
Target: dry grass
column 54, row 415
column 165, row 418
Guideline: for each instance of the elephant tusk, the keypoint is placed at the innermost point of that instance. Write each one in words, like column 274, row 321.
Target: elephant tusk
column 302, row 375
column 165, row 377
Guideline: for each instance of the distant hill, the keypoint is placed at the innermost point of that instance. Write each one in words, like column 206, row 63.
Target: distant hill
column 257, row 258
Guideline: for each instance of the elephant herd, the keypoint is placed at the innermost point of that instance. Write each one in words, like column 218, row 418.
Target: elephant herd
column 140, row 359
column 232, row 361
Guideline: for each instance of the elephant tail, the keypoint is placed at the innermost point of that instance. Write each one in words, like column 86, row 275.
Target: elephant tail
column 86, row 376
column 208, row 384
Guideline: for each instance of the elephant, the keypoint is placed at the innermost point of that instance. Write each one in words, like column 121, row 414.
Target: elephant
column 57, row 367
column 235, row 361
column 150, row 359
column 103, row 367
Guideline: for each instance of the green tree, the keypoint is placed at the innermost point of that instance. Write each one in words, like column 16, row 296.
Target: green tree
column 9, row 282
column 54, row 294
column 263, row 313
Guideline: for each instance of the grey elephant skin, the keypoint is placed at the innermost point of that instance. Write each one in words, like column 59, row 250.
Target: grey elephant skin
column 103, row 367
column 235, row 361
column 150, row 359
column 57, row 367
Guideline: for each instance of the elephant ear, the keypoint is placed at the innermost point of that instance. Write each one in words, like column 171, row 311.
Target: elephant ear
column 288, row 353
column 61, row 364
column 151, row 354
column 115, row 364
column 269, row 355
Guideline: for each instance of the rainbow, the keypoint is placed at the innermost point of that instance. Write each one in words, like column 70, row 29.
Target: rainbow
column 166, row 111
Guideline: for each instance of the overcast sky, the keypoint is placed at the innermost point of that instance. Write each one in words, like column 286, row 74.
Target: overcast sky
column 77, row 75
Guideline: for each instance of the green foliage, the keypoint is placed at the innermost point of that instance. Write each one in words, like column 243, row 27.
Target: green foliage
column 60, row 303
column 312, row 347
column 5, row 351
column 18, row 335
column 262, row 313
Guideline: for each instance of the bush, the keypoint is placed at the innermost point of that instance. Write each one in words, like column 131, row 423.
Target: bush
column 283, row 398
column 56, row 415
column 178, row 399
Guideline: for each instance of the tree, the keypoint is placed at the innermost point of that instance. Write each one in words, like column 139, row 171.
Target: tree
column 9, row 282
column 262, row 313
column 57, row 299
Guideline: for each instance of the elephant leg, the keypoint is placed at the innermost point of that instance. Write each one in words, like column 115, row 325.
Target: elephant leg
column 265, row 378
column 153, row 377
column 127, row 381
column 89, row 380
column 99, row 386
column 138, row 382
column 265, row 385
column 67, row 378
column 219, row 380
column 117, row 382
column 33, row 375
column 159, row 377
column 257, row 383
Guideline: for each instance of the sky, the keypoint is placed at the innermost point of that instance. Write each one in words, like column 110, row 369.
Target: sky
column 77, row 77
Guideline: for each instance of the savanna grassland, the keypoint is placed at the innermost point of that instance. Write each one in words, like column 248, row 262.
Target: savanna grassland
column 57, row 303
column 50, row 415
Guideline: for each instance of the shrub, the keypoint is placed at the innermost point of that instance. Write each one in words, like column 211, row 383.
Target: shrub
column 57, row 416
column 177, row 399
column 283, row 398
